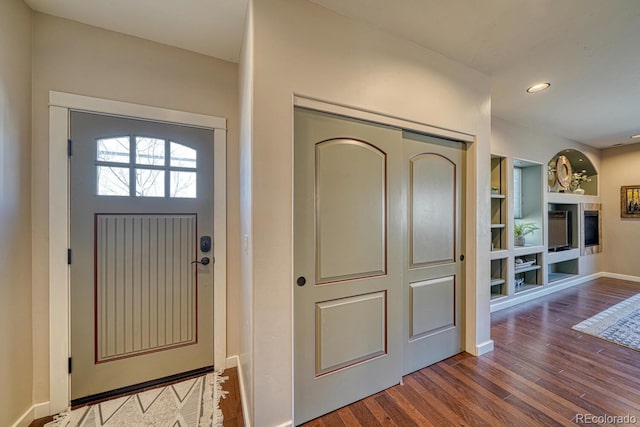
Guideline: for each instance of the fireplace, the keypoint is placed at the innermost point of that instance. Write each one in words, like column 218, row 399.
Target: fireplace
column 591, row 228
column 591, row 232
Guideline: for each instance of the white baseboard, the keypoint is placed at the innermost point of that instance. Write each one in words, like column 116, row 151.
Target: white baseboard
column 620, row 276
column 41, row 410
column 38, row 410
column 287, row 424
column 544, row 290
column 484, row 348
column 232, row 362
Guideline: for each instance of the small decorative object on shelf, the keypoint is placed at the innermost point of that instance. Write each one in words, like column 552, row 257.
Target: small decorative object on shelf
column 524, row 262
column 563, row 172
column 495, row 190
column 519, row 282
column 551, row 176
column 520, row 230
column 577, row 179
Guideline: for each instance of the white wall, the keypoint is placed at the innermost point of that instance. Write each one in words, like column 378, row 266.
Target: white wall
column 16, row 360
column 620, row 237
column 245, row 84
column 80, row 59
column 515, row 141
column 301, row 48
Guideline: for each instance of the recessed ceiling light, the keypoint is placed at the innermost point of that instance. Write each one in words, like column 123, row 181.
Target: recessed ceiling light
column 538, row 87
column 635, row 136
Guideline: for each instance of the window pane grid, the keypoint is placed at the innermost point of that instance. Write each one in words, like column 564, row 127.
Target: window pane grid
column 143, row 170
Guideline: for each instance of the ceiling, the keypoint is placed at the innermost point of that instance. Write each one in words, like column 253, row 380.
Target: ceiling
column 587, row 49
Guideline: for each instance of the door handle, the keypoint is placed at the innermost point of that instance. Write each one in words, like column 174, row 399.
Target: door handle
column 204, row 261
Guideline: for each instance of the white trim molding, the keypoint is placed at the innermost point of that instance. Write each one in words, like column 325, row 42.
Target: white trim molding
column 39, row 410
column 60, row 104
column 483, row 348
column 371, row 116
column 620, row 276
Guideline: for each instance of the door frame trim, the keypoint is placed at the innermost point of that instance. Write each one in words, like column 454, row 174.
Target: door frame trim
column 60, row 105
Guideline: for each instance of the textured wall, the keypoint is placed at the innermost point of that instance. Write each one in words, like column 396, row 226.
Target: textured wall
column 301, row 48
column 15, row 211
column 80, row 59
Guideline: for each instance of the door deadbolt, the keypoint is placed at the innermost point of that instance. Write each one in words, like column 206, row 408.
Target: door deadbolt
column 301, row 281
column 205, row 243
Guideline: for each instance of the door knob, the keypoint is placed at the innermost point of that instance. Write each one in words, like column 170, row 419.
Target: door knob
column 204, row 261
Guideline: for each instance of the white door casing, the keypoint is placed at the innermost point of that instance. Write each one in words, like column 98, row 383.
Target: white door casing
column 60, row 104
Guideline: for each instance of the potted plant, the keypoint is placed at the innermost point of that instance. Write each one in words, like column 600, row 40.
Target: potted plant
column 522, row 229
column 577, row 179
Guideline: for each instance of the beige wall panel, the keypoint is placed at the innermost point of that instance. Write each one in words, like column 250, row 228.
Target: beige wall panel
column 351, row 222
column 303, row 49
column 350, row 330
column 432, row 305
column 619, row 235
column 80, row 59
column 16, row 329
column 432, row 228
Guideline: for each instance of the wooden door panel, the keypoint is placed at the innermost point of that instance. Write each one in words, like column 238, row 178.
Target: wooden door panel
column 347, row 246
column 350, row 330
column 145, row 294
column 140, row 310
column 432, row 221
column 433, row 275
column 433, row 306
column 350, row 206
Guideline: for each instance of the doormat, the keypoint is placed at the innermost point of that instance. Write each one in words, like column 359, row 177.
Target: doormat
column 191, row 403
column 619, row 324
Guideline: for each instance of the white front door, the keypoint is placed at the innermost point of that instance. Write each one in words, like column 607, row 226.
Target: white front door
column 141, row 216
column 377, row 238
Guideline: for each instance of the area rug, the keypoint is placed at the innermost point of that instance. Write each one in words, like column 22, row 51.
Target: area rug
column 619, row 324
column 190, row 403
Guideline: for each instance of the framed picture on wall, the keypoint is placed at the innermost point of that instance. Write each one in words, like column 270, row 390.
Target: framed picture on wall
column 630, row 201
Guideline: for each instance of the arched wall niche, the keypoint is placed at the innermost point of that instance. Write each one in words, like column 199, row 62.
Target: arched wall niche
column 564, row 172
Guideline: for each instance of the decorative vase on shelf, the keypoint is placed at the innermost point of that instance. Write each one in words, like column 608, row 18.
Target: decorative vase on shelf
column 578, row 191
column 519, row 241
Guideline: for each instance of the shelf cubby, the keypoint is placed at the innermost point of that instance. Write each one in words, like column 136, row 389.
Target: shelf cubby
column 498, row 282
column 498, row 203
column 529, row 276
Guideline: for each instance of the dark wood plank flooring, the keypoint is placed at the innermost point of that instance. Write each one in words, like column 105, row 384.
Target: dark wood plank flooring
column 541, row 373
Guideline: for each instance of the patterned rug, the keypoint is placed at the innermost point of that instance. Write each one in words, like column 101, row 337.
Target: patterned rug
column 190, row 403
column 619, row 324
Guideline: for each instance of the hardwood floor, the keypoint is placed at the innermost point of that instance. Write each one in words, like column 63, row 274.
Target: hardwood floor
column 541, row 373
column 231, row 405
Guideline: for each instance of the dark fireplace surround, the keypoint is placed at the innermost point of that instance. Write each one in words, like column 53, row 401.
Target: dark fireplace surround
column 591, row 230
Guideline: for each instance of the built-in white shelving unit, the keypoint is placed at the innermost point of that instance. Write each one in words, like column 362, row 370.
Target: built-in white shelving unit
column 519, row 195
